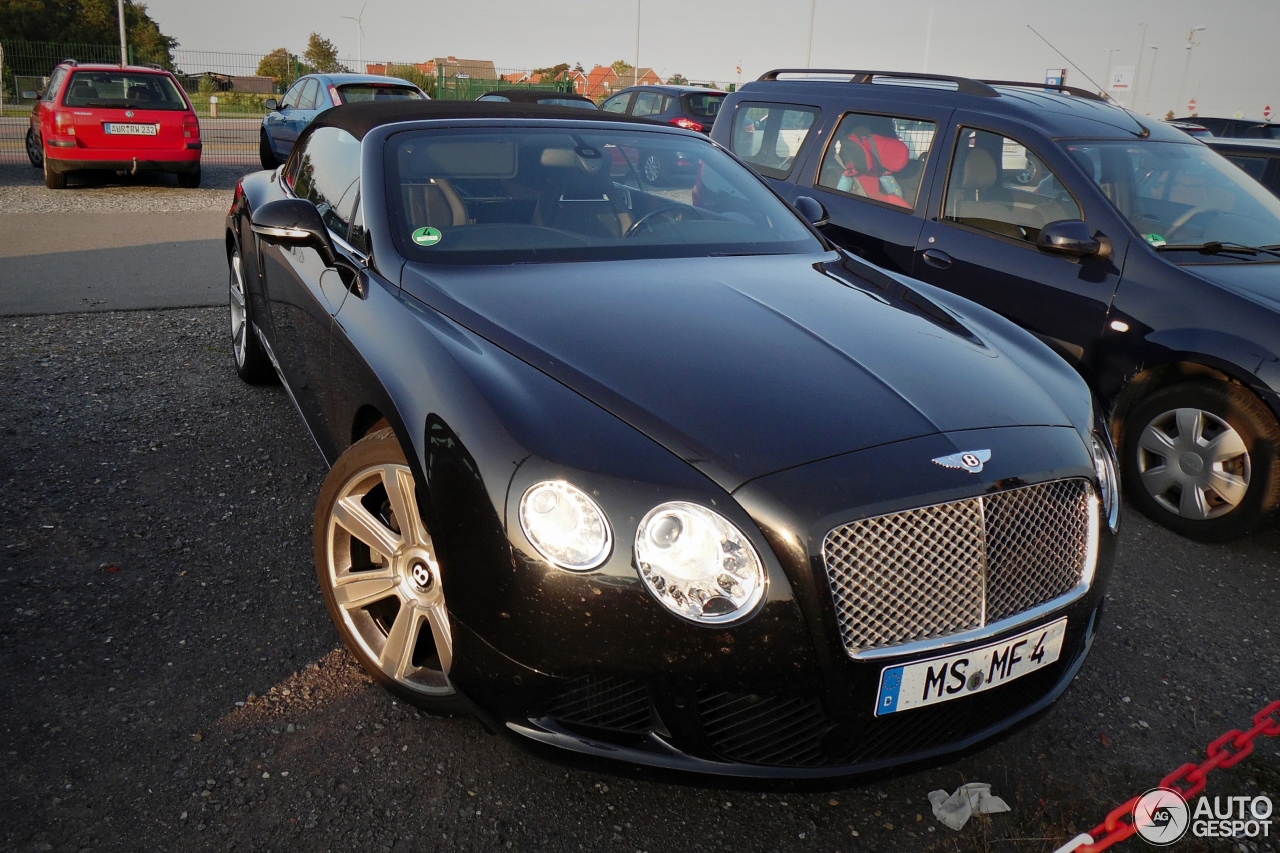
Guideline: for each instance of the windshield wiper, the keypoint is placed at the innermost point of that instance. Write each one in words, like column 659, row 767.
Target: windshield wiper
column 1217, row 247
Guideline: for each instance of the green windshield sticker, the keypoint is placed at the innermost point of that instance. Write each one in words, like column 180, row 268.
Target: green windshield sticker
column 1154, row 239
column 427, row 236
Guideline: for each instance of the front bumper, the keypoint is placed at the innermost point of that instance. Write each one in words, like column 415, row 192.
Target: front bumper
column 589, row 665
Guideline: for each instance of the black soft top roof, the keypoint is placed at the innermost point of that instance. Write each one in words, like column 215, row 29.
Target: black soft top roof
column 359, row 119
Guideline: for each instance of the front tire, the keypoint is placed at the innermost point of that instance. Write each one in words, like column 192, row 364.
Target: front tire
column 1201, row 458
column 252, row 363
column 380, row 576
column 54, row 180
column 265, row 154
column 35, row 148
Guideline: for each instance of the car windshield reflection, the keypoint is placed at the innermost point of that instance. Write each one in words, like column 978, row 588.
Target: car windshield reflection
column 551, row 195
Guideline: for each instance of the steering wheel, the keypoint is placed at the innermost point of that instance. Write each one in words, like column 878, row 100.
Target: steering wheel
column 675, row 212
column 1187, row 216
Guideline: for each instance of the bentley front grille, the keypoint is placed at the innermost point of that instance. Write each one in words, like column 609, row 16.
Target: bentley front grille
column 929, row 573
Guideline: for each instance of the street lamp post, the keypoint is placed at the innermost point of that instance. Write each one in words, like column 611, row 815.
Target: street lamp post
column 1137, row 72
column 1186, row 65
column 1155, row 54
column 124, row 51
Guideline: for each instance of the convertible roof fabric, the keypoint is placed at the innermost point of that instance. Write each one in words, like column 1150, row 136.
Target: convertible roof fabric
column 359, row 119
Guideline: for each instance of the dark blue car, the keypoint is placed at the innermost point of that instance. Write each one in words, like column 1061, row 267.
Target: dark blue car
column 312, row 95
column 1139, row 254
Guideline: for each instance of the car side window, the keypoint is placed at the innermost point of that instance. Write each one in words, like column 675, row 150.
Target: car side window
column 290, row 98
column 769, row 136
column 1255, row 166
column 999, row 185
column 55, row 82
column 649, row 104
column 310, row 95
column 877, row 157
column 616, row 104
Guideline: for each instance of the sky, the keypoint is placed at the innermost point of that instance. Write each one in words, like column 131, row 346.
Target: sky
column 1233, row 67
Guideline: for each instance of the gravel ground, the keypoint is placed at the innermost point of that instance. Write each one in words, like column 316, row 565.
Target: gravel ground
column 22, row 190
column 171, row 680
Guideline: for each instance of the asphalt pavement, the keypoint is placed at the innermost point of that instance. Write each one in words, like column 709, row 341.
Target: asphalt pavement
column 169, row 679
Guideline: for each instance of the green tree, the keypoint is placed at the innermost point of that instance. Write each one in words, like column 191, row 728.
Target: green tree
column 87, row 22
column 322, row 56
column 678, row 80
column 621, row 67
column 281, row 66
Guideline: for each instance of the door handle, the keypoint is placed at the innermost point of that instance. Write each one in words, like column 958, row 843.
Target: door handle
column 937, row 259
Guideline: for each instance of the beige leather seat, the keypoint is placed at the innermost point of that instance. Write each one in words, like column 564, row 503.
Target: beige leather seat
column 972, row 202
column 434, row 203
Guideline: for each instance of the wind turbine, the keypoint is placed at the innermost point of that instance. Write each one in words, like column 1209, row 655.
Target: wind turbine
column 359, row 19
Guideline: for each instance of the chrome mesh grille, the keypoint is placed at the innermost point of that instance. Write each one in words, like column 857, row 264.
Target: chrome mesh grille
column 935, row 571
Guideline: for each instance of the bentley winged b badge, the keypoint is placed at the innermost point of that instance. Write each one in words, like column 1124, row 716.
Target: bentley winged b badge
column 969, row 460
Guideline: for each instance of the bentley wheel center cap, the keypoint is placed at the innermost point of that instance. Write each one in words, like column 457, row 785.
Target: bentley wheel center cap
column 421, row 575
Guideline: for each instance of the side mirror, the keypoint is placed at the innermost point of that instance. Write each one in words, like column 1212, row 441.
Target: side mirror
column 294, row 222
column 1073, row 237
column 812, row 211
column 271, row 104
column 30, row 95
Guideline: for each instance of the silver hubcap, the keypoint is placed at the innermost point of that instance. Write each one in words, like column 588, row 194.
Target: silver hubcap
column 239, row 328
column 386, row 581
column 1193, row 463
column 652, row 168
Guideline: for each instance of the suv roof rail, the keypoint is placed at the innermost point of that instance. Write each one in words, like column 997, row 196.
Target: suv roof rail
column 1057, row 87
column 157, row 66
column 69, row 62
column 967, row 85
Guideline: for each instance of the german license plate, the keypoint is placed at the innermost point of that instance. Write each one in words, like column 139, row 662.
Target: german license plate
column 117, row 129
column 941, row 679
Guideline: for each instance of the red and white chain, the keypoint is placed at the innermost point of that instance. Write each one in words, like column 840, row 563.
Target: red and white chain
column 1188, row 780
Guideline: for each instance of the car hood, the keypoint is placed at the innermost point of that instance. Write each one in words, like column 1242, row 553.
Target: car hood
column 1258, row 280
column 746, row 366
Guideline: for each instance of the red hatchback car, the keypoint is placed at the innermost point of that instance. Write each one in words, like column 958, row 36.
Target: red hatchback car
column 115, row 118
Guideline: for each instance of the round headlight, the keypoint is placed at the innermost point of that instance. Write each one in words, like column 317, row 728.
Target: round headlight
column 565, row 525
column 697, row 564
column 1104, row 465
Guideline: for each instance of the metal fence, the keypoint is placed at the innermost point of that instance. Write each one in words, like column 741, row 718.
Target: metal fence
column 226, row 89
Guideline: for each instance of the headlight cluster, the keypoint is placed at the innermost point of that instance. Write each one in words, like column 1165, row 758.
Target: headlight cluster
column 1104, row 465
column 694, row 561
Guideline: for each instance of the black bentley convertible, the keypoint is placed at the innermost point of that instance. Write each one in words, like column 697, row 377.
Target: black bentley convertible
column 662, row 478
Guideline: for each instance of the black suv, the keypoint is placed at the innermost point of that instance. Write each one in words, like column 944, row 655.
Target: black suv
column 1140, row 255
column 690, row 107
column 1236, row 128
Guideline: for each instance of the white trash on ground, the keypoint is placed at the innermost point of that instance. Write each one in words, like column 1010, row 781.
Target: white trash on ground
column 954, row 810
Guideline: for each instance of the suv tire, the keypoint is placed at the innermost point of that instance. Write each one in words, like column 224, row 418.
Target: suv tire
column 1201, row 458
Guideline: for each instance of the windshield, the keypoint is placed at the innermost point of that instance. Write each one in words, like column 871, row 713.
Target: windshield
column 123, row 89
column 1178, row 195
column 493, row 196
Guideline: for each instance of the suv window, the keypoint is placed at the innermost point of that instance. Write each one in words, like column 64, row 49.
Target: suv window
column 650, row 104
column 768, row 136
column 999, row 185
column 329, row 176
column 879, row 158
